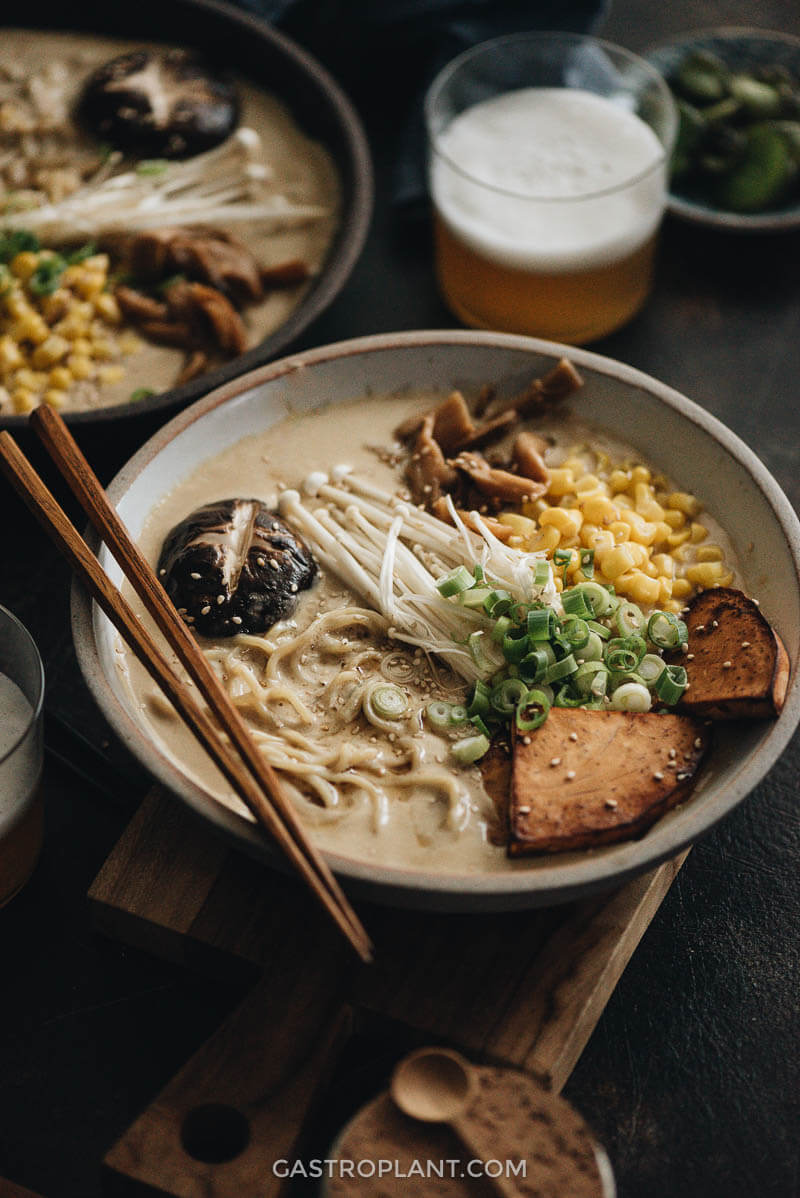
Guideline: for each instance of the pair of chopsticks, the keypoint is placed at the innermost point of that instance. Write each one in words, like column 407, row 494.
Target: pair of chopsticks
column 240, row 761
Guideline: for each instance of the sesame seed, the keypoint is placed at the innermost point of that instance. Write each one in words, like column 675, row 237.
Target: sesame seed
column 570, row 775
column 205, row 610
column 683, row 777
column 612, row 803
column 526, row 740
column 555, row 761
column 700, row 628
column 195, row 575
column 162, row 572
column 293, row 587
column 715, row 623
column 698, row 742
column 684, row 648
column 573, row 736
column 236, row 619
column 220, row 600
column 726, row 665
column 181, row 611
column 659, row 777
column 745, row 644
column 261, row 561
column 690, row 656
column 274, row 564
column 673, row 752
column 524, row 810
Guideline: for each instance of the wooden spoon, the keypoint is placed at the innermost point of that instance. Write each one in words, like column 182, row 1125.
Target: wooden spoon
column 437, row 1085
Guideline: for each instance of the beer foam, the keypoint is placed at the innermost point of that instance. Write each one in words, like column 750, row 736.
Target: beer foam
column 550, row 179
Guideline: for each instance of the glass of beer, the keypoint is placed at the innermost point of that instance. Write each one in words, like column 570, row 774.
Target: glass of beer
column 548, row 172
column 21, row 702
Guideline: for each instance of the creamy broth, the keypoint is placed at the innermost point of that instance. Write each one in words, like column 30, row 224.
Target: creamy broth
column 302, row 170
column 417, row 806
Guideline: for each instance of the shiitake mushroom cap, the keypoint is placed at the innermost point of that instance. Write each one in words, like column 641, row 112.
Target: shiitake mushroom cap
column 233, row 566
column 169, row 103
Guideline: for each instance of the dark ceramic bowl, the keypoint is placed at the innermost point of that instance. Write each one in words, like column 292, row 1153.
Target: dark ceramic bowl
column 741, row 49
column 317, row 104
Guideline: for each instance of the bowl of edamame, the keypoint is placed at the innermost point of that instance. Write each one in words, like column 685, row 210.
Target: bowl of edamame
column 736, row 162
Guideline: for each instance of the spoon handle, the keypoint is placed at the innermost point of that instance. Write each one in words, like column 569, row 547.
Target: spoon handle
column 504, row 1184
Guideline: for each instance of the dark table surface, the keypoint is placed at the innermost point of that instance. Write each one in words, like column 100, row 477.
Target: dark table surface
column 692, row 1078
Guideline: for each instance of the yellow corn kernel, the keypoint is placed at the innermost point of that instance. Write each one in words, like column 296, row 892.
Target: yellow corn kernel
column 103, row 349
column 568, row 521
column 10, row 354
column 55, row 306
column 562, row 481
column 664, row 589
column 599, row 509
column 55, row 399
column 24, row 264
column 532, row 508
column 60, row 378
column 590, row 484
column 98, row 262
column 663, row 531
column 681, row 588
column 705, row 574
column 105, row 305
column 682, row 501
column 16, row 304
column 73, row 327
column 664, row 564
column 641, row 530
column 672, row 605
column 640, row 474
column 709, row 553
column 601, row 540
column 30, row 328
column 614, row 562
column 523, row 526
column 645, row 502
column 51, row 350
column 83, row 346
column 91, row 284
column 640, row 588
column 80, row 366
column 25, row 377
column 575, row 464
column 619, row 480
column 676, row 539
column 546, row 539
column 649, row 569
column 697, row 533
column 23, row 399
column 620, row 530
column 623, row 501
column 674, row 519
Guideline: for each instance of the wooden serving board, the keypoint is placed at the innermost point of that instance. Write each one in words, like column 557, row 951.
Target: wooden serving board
column 523, row 989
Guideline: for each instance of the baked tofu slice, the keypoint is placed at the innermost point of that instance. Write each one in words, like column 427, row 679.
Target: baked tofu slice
column 587, row 778
column 736, row 664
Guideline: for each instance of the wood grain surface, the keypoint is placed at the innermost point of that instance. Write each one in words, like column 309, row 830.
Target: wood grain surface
column 523, row 989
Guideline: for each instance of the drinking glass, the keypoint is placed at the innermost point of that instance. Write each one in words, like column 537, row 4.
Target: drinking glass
column 21, row 702
column 548, row 166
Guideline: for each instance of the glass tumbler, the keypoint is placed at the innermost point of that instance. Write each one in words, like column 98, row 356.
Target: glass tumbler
column 548, row 172
column 21, row 752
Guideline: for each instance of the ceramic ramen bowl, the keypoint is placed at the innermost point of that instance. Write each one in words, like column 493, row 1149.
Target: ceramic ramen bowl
column 665, row 428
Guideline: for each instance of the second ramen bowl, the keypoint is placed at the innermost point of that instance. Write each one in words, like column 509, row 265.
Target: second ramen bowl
column 699, row 453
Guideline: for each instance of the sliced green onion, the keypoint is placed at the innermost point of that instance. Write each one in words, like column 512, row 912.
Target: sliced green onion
column 591, row 678
column 599, row 629
column 458, row 714
column 476, row 642
column 576, row 632
column 567, row 697
column 575, row 603
column 625, row 653
column 541, row 574
column 630, row 619
column 620, row 677
column 479, row 702
column 586, row 559
column 593, row 649
column 505, row 697
column 439, row 714
column 671, row 684
column 388, row 701
column 480, row 726
column 542, row 624
column 470, row 749
column 455, row 582
column 597, row 597
column 666, row 631
column 479, row 573
column 562, row 557
column 532, row 710
column 497, row 603
column 501, row 629
column 631, row 696
column 534, row 665
column 474, row 597
column 650, row 668
column 516, row 647
column 561, row 669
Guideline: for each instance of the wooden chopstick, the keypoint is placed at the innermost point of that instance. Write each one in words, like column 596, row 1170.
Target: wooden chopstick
column 55, row 522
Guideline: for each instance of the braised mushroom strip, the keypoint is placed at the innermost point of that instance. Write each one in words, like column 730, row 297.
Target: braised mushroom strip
column 233, row 566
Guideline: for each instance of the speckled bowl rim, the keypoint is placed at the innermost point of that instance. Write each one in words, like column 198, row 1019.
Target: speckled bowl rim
column 784, row 221
column 544, row 885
